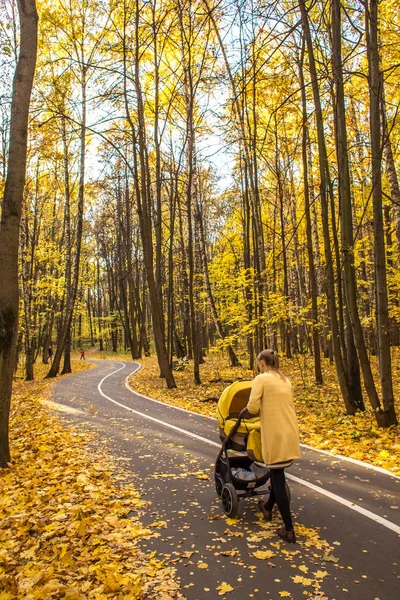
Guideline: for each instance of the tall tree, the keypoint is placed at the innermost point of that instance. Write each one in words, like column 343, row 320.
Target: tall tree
column 346, row 213
column 382, row 313
column 81, row 44
column 11, row 212
column 324, row 183
column 310, row 249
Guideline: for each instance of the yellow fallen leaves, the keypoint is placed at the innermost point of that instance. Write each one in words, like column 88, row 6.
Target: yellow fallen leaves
column 312, row 538
column 322, row 419
column 264, row 554
column 198, row 474
column 224, row 588
column 158, row 524
column 303, row 580
column 320, row 574
column 231, row 533
column 303, row 568
column 233, row 552
column 66, row 529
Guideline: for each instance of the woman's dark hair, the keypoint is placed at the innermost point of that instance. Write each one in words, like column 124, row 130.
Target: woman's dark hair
column 271, row 359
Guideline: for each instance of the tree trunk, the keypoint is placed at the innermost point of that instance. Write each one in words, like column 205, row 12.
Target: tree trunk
column 185, row 285
column 26, row 296
column 285, row 322
column 99, row 309
column 68, row 248
column 190, row 186
column 322, row 155
column 313, row 281
column 199, row 217
column 357, row 342
column 71, row 297
column 89, row 311
column 11, row 213
column 143, row 197
column 247, row 263
column 158, row 182
column 382, row 313
column 391, row 171
column 67, row 354
column 131, row 315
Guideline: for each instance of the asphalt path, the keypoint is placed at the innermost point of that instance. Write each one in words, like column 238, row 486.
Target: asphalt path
column 347, row 515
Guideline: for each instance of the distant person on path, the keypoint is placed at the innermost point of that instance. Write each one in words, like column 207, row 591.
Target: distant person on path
column 272, row 396
column 50, row 353
column 82, row 355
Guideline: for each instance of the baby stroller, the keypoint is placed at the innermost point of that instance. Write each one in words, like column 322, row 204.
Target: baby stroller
column 239, row 471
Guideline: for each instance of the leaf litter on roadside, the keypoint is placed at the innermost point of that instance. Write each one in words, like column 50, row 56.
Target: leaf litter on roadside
column 67, row 529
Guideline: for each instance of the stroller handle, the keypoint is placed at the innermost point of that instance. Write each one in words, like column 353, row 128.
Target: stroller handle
column 243, row 414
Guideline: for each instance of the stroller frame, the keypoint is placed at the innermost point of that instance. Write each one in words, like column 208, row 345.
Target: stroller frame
column 229, row 488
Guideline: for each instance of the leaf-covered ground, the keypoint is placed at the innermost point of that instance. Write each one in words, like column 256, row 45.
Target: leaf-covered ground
column 69, row 519
column 322, row 418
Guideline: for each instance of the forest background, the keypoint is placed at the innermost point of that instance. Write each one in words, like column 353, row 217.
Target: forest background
column 212, row 175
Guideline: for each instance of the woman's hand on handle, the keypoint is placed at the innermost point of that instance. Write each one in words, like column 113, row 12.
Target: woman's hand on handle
column 244, row 413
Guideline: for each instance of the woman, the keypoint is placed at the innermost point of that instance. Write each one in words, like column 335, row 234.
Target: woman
column 272, row 397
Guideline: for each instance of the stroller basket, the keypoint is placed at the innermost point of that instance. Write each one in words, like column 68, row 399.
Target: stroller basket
column 233, row 463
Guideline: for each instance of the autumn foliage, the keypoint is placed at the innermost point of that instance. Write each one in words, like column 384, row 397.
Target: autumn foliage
column 68, row 529
column 199, row 177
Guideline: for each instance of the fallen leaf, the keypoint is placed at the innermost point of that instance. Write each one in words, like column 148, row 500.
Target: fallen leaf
column 224, row 588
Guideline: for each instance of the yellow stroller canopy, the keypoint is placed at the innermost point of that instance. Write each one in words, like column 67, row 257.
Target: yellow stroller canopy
column 232, row 400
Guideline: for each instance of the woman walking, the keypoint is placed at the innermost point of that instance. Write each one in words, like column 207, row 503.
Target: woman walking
column 272, row 397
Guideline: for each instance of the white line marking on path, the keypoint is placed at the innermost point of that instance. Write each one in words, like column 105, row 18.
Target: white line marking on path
column 359, row 509
column 352, row 460
column 186, row 410
column 319, row 450
column 136, row 412
column 315, row 488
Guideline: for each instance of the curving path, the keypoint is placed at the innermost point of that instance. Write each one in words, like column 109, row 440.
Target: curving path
column 170, row 451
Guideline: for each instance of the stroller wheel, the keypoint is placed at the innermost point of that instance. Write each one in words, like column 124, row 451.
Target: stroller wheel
column 230, row 500
column 218, row 484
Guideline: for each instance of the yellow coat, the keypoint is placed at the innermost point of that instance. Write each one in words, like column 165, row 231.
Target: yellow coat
column 272, row 397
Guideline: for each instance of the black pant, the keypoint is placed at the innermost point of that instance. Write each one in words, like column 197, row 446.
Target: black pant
column 279, row 496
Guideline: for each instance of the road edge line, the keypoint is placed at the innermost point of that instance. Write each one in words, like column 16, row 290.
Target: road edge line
column 372, row 516
column 307, row 446
column 130, row 388
column 348, row 504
